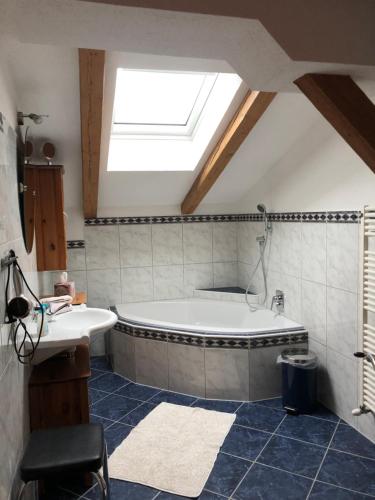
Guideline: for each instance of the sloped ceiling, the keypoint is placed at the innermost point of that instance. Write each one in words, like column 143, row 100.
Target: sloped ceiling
column 305, row 30
column 44, row 63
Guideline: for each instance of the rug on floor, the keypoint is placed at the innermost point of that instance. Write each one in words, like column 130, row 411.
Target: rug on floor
column 173, row 449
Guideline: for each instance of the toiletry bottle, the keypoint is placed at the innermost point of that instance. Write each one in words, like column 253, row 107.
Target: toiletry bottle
column 45, row 320
column 64, row 287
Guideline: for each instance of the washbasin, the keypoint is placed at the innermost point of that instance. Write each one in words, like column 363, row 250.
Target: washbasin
column 70, row 329
column 88, row 320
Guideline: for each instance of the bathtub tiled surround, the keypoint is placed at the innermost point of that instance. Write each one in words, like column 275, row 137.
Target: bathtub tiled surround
column 226, row 367
column 315, row 261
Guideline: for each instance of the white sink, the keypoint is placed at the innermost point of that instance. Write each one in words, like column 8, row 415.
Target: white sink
column 70, row 329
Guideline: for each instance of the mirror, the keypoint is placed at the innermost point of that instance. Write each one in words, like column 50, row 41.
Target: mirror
column 26, row 176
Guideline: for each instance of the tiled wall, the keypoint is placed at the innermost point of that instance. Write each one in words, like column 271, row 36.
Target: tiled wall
column 13, row 376
column 136, row 262
column 316, row 264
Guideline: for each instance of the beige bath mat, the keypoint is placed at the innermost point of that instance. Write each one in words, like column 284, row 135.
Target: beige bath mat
column 173, row 449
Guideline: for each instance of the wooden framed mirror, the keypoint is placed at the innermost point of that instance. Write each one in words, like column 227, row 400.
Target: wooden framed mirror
column 26, row 194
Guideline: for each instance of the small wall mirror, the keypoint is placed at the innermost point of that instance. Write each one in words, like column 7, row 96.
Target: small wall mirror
column 26, row 193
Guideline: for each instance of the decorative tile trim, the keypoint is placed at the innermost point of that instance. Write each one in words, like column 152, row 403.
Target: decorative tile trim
column 285, row 216
column 226, row 342
column 167, row 219
column 75, row 244
column 210, row 218
column 277, row 340
column 122, row 327
column 116, row 221
column 179, row 338
column 163, row 219
column 314, row 217
column 345, row 216
column 144, row 333
column 202, row 340
column 257, row 217
column 341, row 216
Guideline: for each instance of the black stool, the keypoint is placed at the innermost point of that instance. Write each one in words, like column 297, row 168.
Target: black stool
column 60, row 451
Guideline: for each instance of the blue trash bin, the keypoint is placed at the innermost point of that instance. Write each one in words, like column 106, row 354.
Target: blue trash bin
column 299, row 380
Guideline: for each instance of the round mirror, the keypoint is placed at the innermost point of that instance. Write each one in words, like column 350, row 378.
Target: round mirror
column 26, row 192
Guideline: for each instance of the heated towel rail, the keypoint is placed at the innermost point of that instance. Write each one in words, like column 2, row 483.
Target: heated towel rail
column 367, row 381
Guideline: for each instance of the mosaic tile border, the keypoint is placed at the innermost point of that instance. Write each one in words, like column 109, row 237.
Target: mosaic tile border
column 334, row 216
column 223, row 342
column 292, row 338
column 75, row 244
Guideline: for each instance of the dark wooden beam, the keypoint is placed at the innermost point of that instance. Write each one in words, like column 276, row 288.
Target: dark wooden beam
column 91, row 78
column 346, row 107
column 251, row 109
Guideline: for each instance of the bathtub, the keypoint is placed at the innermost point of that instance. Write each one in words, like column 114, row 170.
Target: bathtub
column 205, row 317
column 206, row 348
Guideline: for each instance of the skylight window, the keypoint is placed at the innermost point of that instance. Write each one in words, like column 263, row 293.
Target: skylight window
column 161, row 103
column 164, row 120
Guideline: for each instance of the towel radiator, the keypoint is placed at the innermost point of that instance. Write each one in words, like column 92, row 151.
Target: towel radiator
column 367, row 353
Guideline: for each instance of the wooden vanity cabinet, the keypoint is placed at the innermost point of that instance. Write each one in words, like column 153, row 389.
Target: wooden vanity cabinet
column 58, row 391
column 50, row 233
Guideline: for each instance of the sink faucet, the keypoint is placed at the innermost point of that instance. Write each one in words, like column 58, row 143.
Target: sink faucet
column 51, row 314
column 278, row 300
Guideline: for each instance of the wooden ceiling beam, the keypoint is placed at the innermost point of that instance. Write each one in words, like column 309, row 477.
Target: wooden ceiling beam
column 249, row 112
column 91, row 78
column 346, row 107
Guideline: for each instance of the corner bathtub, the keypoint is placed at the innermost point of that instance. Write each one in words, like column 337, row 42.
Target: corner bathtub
column 206, row 348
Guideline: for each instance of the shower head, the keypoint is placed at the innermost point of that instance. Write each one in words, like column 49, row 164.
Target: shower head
column 261, row 208
column 37, row 119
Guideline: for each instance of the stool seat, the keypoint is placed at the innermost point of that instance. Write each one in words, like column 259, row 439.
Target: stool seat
column 63, row 450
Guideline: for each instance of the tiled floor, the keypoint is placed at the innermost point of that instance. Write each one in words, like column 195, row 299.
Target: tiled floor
column 267, row 455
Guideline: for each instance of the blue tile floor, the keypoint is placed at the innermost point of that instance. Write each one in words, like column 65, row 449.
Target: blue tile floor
column 267, row 455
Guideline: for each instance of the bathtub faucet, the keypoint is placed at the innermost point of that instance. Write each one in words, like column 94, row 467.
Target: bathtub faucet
column 278, row 300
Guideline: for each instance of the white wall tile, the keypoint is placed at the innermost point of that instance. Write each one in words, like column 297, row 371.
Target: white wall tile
column 274, row 244
column 314, row 302
column 314, row 255
column 342, row 331
column 168, row 282
column 224, row 241
column 197, row 276
column 135, row 245
column 341, row 388
column 244, row 273
column 104, row 287
column 76, row 259
column 197, row 239
column 102, row 247
column 137, row 284
column 342, row 256
column 225, row 274
column 80, row 280
column 290, row 248
column 167, row 244
column 321, row 351
column 247, row 233
column 291, row 287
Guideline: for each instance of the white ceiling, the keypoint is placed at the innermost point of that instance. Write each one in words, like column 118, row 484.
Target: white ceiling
column 44, row 64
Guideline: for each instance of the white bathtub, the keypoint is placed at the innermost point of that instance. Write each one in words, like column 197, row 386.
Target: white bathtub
column 203, row 347
column 213, row 317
